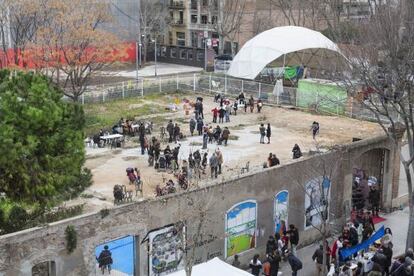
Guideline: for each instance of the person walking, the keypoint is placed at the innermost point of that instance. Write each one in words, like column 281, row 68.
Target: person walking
column 219, row 159
column 205, row 139
column 268, row 133
column 193, row 125
column 266, row 267
column 294, row 262
column 213, row 165
column 262, row 131
column 317, row 257
column 275, row 260
column 221, row 113
column 105, row 260
column 176, row 133
column 255, row 265
column 236, row 262
column 315, row 129
column 170, row 130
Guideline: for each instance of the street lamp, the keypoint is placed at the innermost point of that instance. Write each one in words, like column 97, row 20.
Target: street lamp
column 155, row 55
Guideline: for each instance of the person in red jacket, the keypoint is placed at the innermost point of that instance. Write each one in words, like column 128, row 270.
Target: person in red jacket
column 215, row 114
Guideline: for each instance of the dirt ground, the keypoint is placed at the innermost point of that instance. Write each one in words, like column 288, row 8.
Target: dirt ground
column 288, row 127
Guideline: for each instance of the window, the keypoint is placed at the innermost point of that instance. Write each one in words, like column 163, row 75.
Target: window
column 204, row 3
column 240, row 222
column 194, row 4
column 44, row 269
column 204, row 19
column 190, row 55
column 214, row 19
column 170, row 38
column 163, row 51
column 173, row 53
column 183, row 54
column 194, row 39
column 194, row 18
column 200, row 56
column 180, row 38
column 172, row 16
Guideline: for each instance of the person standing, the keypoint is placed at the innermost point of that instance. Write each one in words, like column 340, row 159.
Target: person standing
column 221, row 113
column 267, row 267
column 227, row 114
column 293, row 238
column 205, row 139
column 213, row 165
column 200, row 125
column 215, row 113
column 268, row 133
column 170, row 129
column 294, row 262
column 176, row 133
column 255, row 265
column 193, row 125
column 235, row 108
column 251, row 104
column 259, row 105
column 262, row 131
column 225, row 135
column 275, row 259
column 220, row 160
column 317, row 257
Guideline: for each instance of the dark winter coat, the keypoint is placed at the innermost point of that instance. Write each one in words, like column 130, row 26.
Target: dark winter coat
column 294, row 262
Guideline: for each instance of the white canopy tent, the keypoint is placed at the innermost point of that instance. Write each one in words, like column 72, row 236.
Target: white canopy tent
column 296, row 45
column 213, row 267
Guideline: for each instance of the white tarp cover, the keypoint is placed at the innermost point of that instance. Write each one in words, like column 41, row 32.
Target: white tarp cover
column 213, row 267
column 272, row 44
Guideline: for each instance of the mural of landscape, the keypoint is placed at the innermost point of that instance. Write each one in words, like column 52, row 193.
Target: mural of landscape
column 316, row 200
column 281, row 211
column 241, row 227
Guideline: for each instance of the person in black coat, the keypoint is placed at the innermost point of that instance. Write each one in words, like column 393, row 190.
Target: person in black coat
column 295, row 263
column 275, row 260
column 268, row 133
column 271, row 245
column 105, row 260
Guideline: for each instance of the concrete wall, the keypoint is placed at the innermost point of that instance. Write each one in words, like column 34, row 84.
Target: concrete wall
column 20, row 251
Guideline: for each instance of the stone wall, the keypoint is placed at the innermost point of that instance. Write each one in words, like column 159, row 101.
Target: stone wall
column 20, row 251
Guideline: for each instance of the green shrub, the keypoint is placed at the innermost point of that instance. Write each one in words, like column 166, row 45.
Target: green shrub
column 17, row 219
column 71, row 238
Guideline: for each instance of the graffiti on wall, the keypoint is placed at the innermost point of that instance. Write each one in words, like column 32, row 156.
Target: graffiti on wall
column 241, row 227
column 281, row 211
column 317, row 197
column 166, row 250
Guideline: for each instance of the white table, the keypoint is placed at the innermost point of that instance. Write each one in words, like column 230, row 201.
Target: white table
column 109, row 138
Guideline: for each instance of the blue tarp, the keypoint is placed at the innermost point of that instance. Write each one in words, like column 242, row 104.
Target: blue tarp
column 345, row 253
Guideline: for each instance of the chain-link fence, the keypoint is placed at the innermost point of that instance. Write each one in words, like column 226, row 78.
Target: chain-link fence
column 231, row 87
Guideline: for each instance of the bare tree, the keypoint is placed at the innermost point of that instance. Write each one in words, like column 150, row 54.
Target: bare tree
column 319, row 213
column 19, row 21
column 382, row 76
column 73, row 43
column 154, row 19
column 229, row 20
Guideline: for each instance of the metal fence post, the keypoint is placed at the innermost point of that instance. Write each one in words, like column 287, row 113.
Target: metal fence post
column 242, row 88
column 103, row 96
column 225, row 84
column 277, row 97
column 160, row 85
column 296, row 98
column 337, row 105
column 123, row 90
column 83, row 99
column 209, row 82
column 177, row 82
column 142, row 87
column 260, row 89
column 194, row 82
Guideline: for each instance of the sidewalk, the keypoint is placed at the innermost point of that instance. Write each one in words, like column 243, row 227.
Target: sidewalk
column 163, row 69
column 397, row 221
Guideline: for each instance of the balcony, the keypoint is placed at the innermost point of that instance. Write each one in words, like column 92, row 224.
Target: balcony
column 201, row 27
column 176, row 5
column 178, row 23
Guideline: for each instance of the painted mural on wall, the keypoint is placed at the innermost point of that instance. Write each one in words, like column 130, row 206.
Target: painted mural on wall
column 165, row 249
column 281, row 211
column 241, row 227
column 316, row 199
